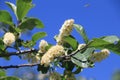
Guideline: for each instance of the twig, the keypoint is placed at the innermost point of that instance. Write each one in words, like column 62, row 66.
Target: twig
column 75, row 52
column 17, row 53
column 18, row 66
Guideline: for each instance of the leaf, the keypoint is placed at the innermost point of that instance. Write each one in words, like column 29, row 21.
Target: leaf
column 78, row 70
column 9, row 78
column 23, row 6
column 80, row 59
column 28, row 44
column 38, row 35
column 111, row 39
column 42, row 69
column 81, row 30
column 101, row 44
column 68, row 65
column 30, row 23
column 2, row 47
column 6, row 18
column 71, row 41
column 12, row 6
column 2, row 73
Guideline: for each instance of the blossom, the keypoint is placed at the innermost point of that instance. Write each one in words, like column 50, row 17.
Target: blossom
column 65, row 30
column 42, row 46
column 8, row 38
column 54, row 51
column 99, row 56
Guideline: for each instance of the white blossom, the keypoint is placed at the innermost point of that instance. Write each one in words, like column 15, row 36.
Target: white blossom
column 54, row 51
column 65, row 30
column 42, row 46
column 8, row 38
column 99, row 56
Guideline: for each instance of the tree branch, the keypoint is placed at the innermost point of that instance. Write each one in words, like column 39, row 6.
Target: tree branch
column 18, row 66
column 18, row 53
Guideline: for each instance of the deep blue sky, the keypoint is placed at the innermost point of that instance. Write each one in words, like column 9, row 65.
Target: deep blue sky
column 99, row 18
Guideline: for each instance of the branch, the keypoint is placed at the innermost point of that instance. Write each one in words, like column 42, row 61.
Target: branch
column 18, row 53
column 18, row 66
column 75, row 52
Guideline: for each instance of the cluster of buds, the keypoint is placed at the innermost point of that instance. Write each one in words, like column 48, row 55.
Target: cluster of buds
column 54, row 51
column 8, row 38
column 42, row 46
column 65, row 30
column 99, row 56
column 55, row 76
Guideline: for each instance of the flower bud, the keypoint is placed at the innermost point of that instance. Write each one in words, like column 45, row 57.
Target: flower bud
column 8, row 38
column 42, row 46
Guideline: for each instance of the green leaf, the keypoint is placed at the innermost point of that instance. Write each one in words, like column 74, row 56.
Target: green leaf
column 81, row 59
column 81, row 30
column 30, row 23
column 6, row 18
column 71, row 41
column 38, row 35
column 28, row 44
column 111, row 39
column 2, row 73
column 23, row 6
column 2, row 47
column 9, row 78
column 43, row 69
column 101, row 44
column 12, row 6
column 78, row 70
column 68, row 65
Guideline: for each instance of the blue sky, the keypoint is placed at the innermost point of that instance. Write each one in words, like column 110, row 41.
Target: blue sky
column 99, row 18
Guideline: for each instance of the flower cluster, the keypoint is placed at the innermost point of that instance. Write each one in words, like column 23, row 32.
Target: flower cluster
column 99, row 56
column 8, row 38
column 65, row 30
column 54, row 51
column 42, row 46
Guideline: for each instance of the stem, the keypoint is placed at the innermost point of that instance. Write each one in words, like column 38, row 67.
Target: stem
column 17, row 53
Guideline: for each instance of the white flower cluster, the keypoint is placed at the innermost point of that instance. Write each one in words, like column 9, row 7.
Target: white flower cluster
column 42, row 46
column 65, row 30
column 8, row 38
column 99, row 56
column 55, row 76
column 54, row 51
